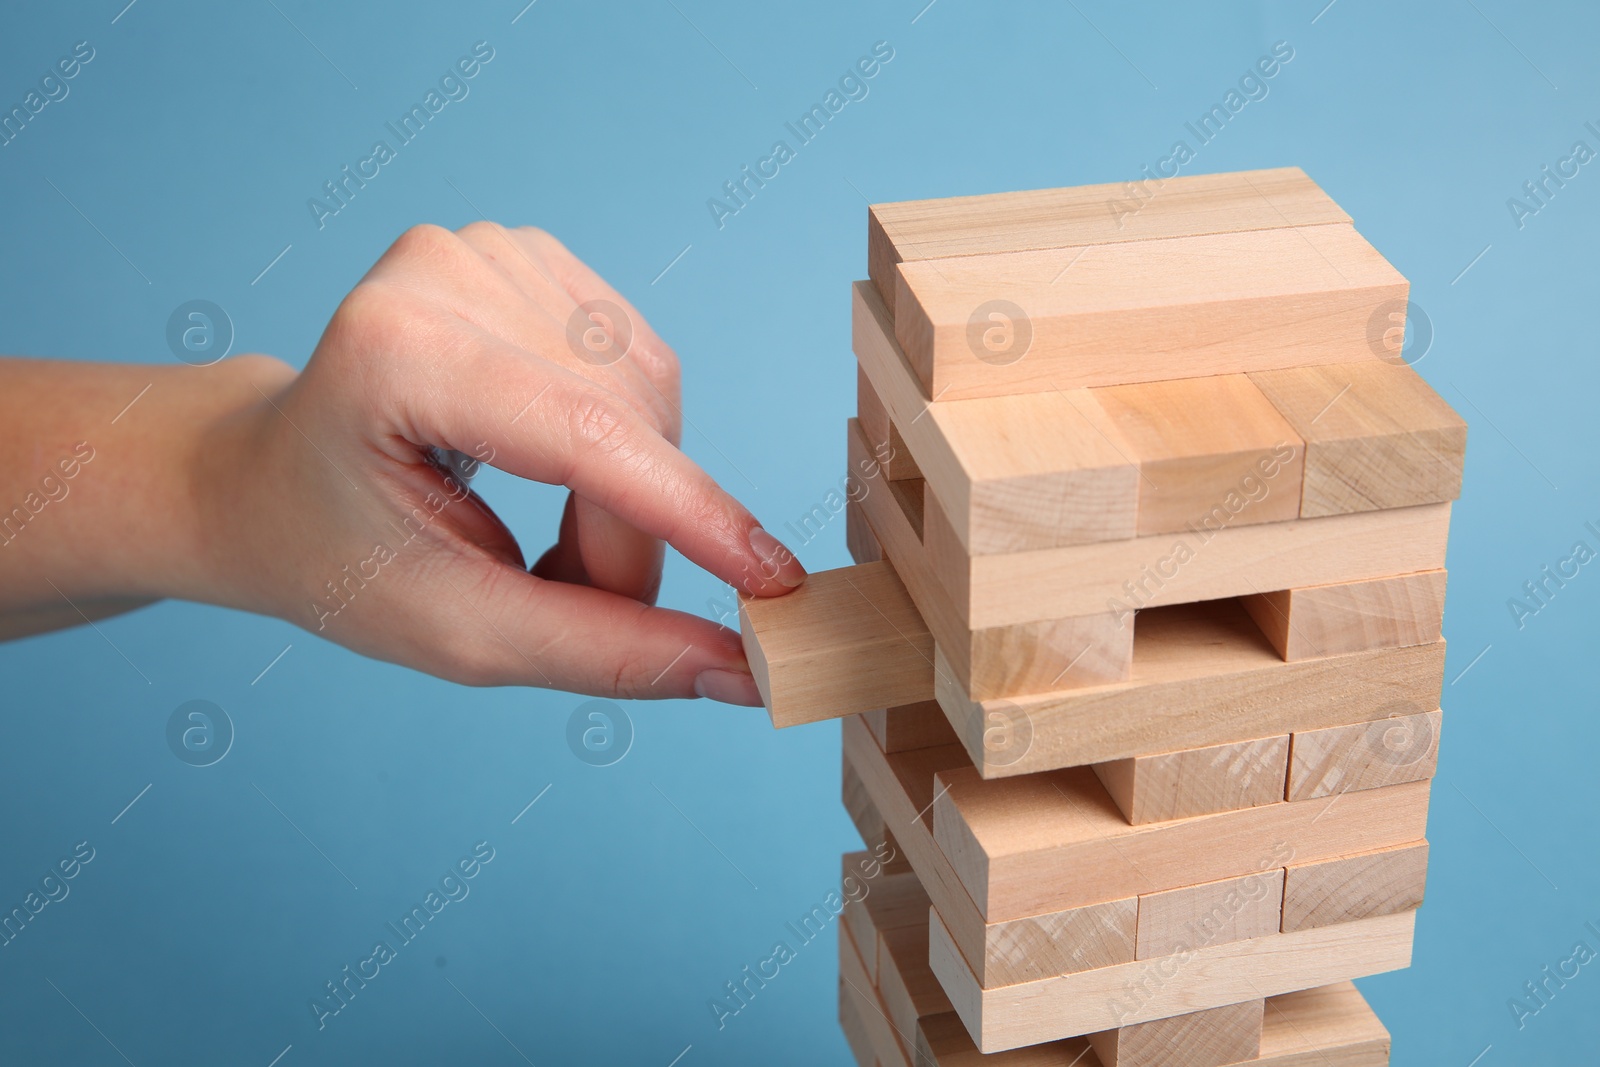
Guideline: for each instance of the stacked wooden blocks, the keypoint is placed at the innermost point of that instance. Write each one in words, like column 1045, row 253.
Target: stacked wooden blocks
column 1140, row 662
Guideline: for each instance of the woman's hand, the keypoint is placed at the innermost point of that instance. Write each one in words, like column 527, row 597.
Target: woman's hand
column 322, row 498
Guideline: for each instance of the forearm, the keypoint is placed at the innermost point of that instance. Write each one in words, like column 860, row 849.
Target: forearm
column 100, row 505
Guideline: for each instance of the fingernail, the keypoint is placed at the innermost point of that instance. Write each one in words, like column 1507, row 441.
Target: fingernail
column 730, row 687
column 773, row 554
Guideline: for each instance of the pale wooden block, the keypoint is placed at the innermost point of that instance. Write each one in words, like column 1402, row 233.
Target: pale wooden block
column 1015, row 472
column 848, row 640
column 1328, row 620
column 1210, row 1038
column 905, row 981
column 891, row 899
column 859, row 806
column 1034, row 946
column 1213, row 913
column 1212, row 452
column 1366, row 755
column 1001, row 660
column 1202, row 675
column 916, row 1004
column 943, row 1041
column 1161, row 569
column 1377, row 436
column 1327, row 1026
column 1046, row 1010
column 855, row 1031
column 1355, row 887
column 888, row 1045
column 859, row 540
column 1113, row 314
column 1186, row 206
column 909, row 726
column 1198, row 781
column 887, row 445
column 1047, row 842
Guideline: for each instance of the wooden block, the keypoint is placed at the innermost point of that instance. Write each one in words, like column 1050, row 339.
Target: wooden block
column 916, row 1004
column 1377, row 436
column 1113, row 314
column 909, row 726
column 1131, row 575
column 1001, row 953
column 1198, row 781
column 1128, row 993
column 1328, row 1026
column 855, row 1030
column 859, row 539
column 1404, row 747
column 1327, row 620
column 1015, row 472
column 1214, row 913
column 1210, row 1038
column 1047, row 842
column 1355, row 887
column 905, row 981
column 1212, row 453
column 881, row 433
column 1202, row 675
column 847, row 641
column 1186, row 206
column 859, row 806
column 888, row 1045
column 887, row 900
column 999, row 661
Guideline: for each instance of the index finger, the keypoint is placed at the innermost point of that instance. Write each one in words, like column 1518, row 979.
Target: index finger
column 550, row 425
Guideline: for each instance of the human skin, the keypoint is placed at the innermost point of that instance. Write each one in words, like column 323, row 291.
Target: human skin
column 318, row 497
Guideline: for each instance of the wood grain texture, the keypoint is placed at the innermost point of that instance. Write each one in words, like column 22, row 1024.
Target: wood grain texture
column 1328, row 1026
column 1326, row 620
column 916, row 1005
column 881, row 433
column 869, row 823
column 1052, row 1008
column 859, row 540
column 1402, row 747
column 1047, row 842
column 909, row 726
column 1014, row 472
column 848, row 640
column 883, row 902
column 1090, row 214
column 1113, row 314
column 1001, row 590
column 1202, row 675
column 906, row 982
column 1031, row 947
column 1210, row 1038
column 871, row 1017
column 1355, row 887
column 1212, row 453
column 1377, row 436
column 1198, row 781
column 1212, row 913
column 999, row 660
column 855, row 1031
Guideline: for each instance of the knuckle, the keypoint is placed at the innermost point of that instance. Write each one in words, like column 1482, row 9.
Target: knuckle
column 599, row 424
column 425, row 242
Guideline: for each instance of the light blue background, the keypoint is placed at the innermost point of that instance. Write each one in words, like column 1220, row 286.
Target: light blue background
column 620, row 903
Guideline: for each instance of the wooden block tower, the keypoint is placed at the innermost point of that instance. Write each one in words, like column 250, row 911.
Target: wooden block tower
column 1140, row 662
